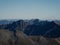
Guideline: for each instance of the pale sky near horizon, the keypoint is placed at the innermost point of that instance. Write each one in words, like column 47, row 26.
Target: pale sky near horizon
column 30, row 9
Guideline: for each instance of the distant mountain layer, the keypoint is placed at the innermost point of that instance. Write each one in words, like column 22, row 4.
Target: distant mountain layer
column 2, row 22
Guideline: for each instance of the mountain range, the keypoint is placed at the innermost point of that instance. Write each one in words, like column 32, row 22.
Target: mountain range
column 30, row 32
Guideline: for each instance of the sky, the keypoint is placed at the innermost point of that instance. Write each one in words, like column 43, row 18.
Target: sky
column 30, row 9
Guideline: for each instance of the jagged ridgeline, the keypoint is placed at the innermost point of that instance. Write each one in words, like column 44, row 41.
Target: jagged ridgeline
column 30, row 32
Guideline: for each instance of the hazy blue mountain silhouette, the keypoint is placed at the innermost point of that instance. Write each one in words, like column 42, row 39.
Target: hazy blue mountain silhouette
column 3, row 22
